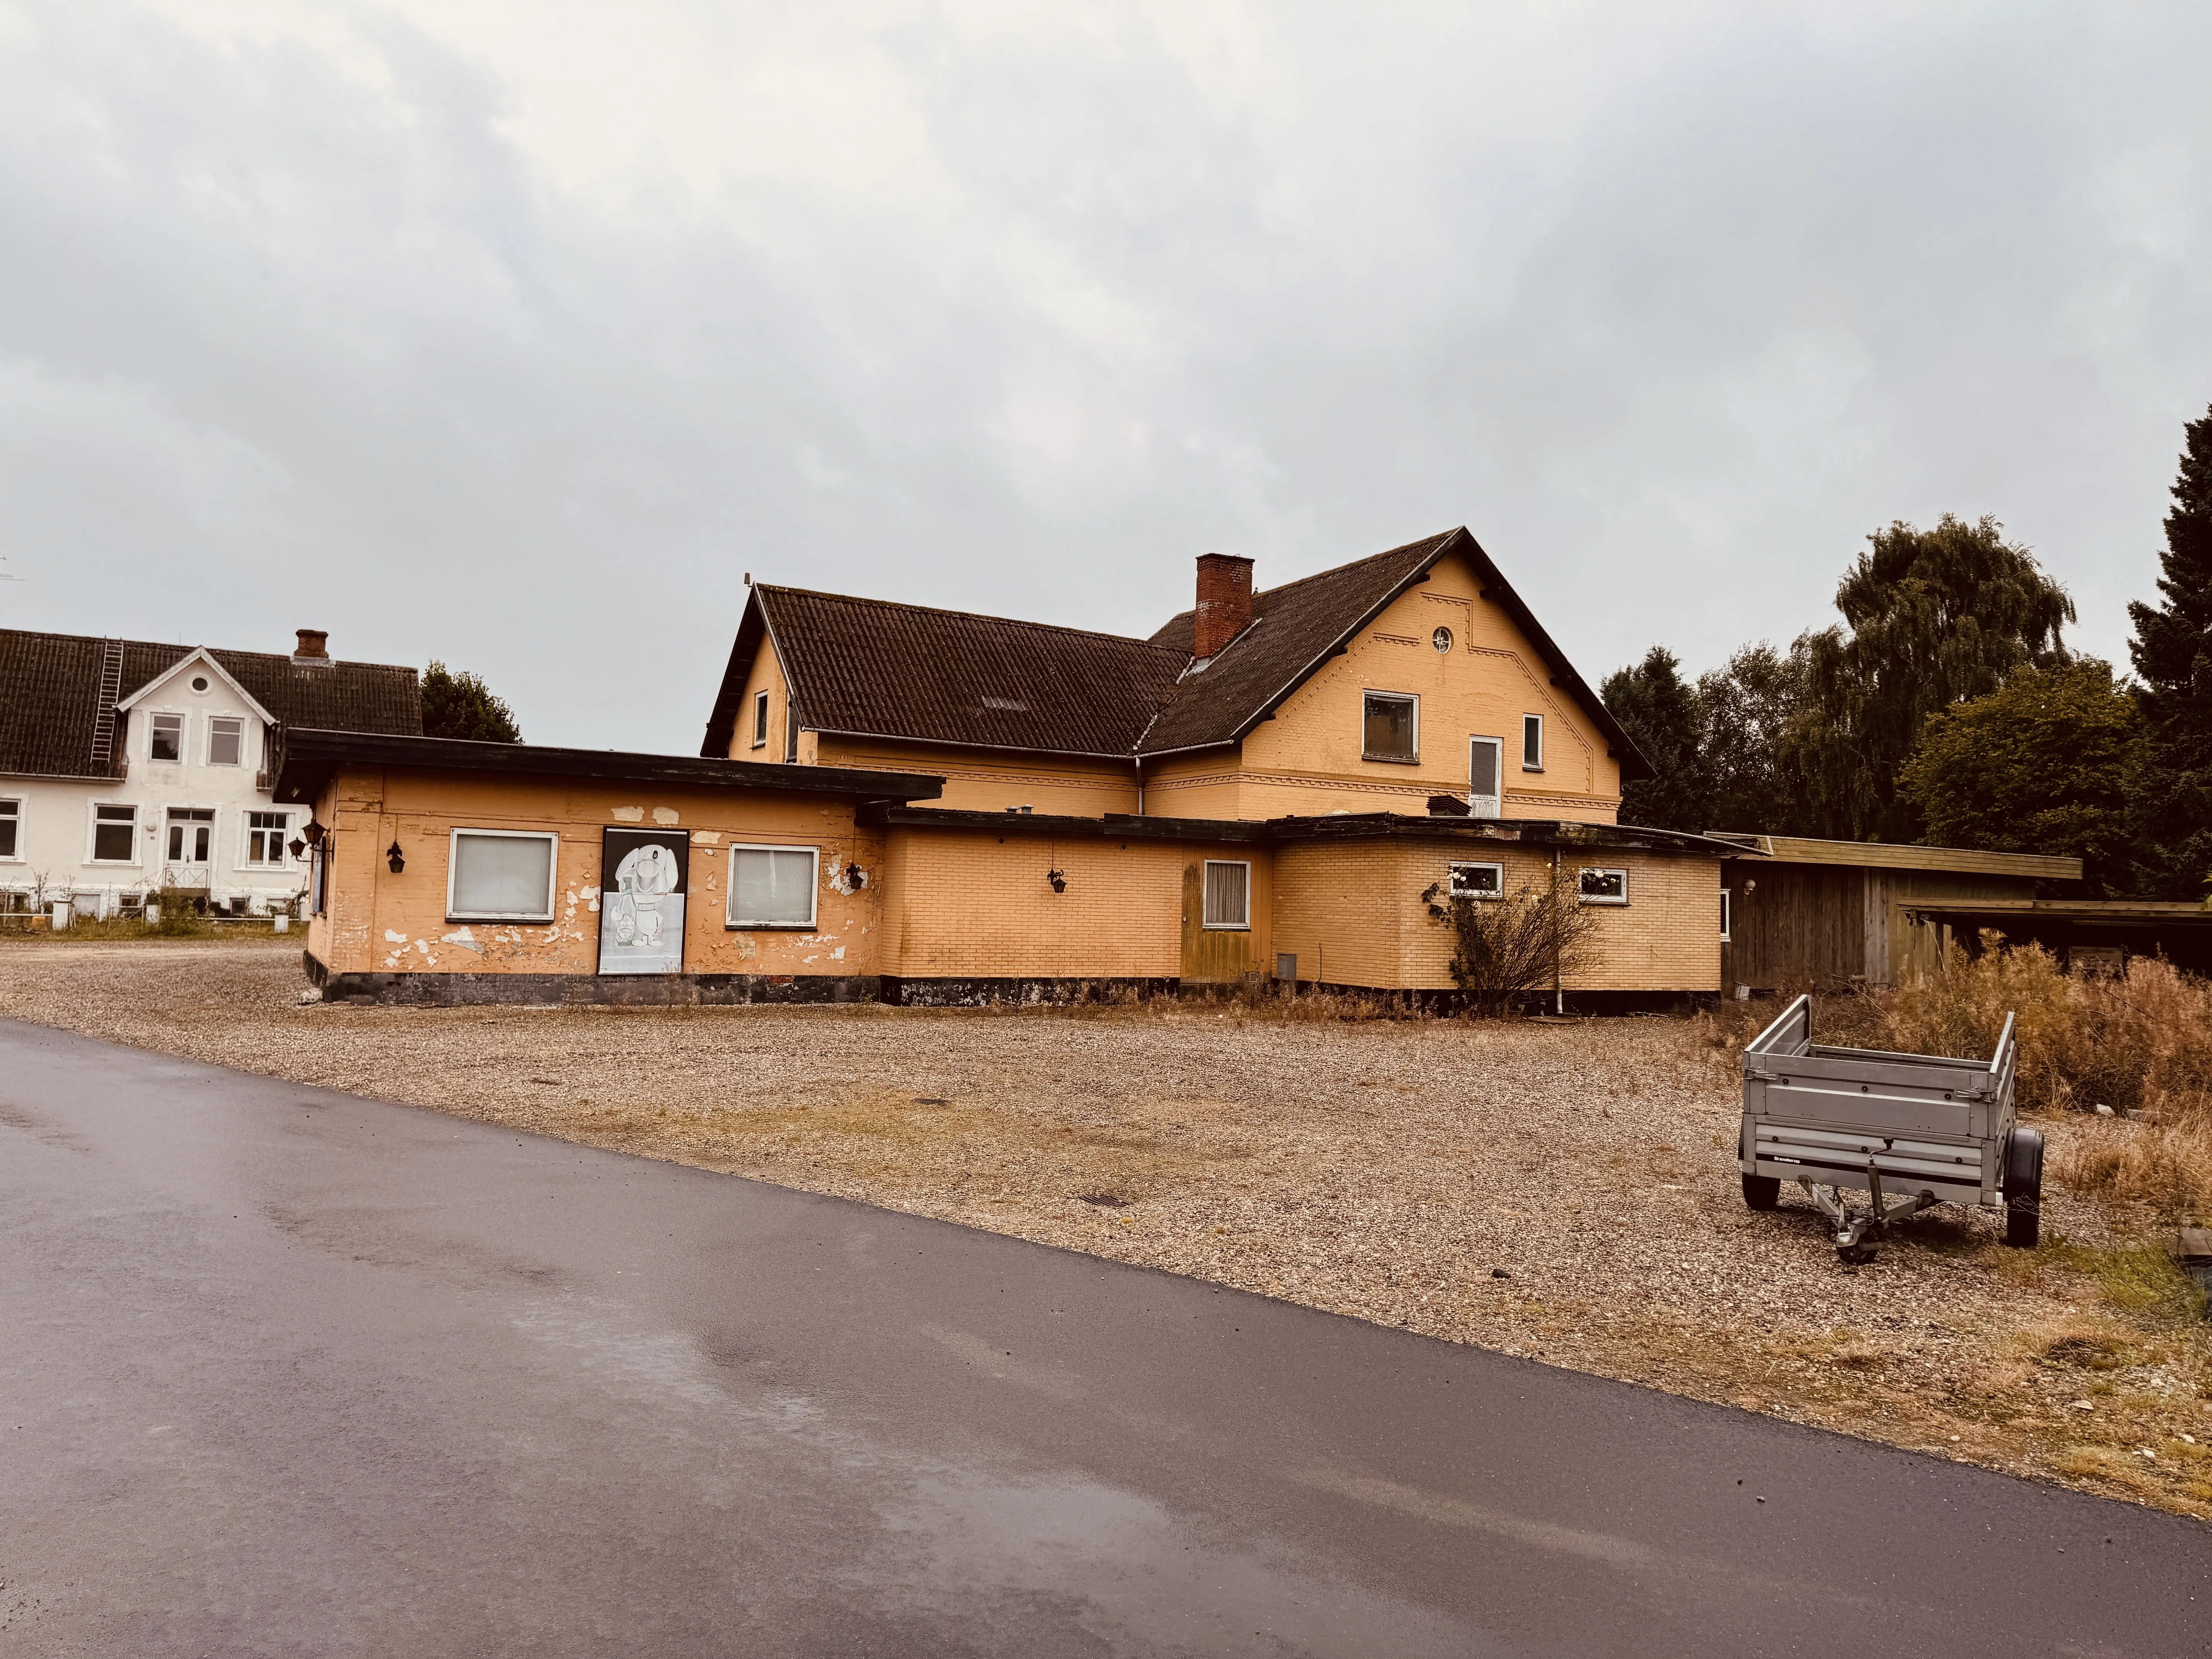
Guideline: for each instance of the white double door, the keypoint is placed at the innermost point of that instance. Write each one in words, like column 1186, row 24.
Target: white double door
column 1485, row 777
column 188, row 847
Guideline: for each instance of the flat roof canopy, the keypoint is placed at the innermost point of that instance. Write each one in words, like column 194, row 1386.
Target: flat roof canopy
column 308, row 759
column 1892, row 855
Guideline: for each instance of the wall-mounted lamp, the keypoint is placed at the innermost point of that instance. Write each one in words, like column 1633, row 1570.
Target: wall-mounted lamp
column 399, row 862
column 1751, row 887
column 1058, row 878
column 314, row 832
column 855, row 876
column 298, row 847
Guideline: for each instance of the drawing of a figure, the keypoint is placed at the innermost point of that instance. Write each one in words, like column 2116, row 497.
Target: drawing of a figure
column 643, row 878
column 641, row 898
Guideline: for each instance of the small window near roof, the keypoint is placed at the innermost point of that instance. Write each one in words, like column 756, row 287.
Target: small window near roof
column 1390, row 729
column 1532, row 743
column 1605, row 886
column 1478, row 881
column 760, row 720
column 1442, row 639
column 167, row 738
column 1228, row 895
column 772, row 886
column 225, row 741
column 501, row 875
column 1727, row 913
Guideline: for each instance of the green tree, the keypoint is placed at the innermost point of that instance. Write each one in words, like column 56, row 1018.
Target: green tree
column 462, row 706
column 1931, row 617
column 1658, row 709
column 2040, row 765
column 2171, row 815
column 1743, row 710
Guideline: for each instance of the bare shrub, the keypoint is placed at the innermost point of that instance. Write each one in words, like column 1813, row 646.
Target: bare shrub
column 1505, row 948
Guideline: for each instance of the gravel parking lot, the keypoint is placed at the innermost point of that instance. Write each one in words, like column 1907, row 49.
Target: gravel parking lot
column 1566, row 1191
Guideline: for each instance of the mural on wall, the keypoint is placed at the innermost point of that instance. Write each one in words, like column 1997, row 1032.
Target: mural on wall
column 643, row 876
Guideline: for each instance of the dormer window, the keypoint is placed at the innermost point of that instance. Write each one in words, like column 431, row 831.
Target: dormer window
column 165, row 738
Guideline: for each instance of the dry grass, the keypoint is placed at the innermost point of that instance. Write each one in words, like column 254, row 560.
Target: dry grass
column 1386, row 1170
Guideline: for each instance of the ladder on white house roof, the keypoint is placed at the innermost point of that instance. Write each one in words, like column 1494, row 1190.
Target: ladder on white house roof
column 111, row 689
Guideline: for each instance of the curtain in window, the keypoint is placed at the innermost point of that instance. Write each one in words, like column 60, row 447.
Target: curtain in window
column 502, row 875
column 1228, row 895
column 772, row 888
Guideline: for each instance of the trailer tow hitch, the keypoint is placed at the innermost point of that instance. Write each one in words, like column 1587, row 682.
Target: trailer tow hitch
column 1853, row 1231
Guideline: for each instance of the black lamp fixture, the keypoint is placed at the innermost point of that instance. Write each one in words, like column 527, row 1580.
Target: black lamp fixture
column 1058, row 878
column 398, row 862
column 855, row 876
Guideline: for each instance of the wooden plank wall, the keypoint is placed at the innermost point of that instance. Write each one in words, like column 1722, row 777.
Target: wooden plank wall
column 1799, row 927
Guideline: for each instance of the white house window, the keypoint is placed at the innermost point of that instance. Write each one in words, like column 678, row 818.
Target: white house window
column 772, row 886
column 1390, row 727
column 200, row 683
column 1228, row 895
column 225, row 740
column 501, row 875
column 115, row 835
column 1478, row 881
column 167, row 738
column 790, row 731
column 1605, row 886
column 264, row 838
column 192, row 832
column 1532, row 743
column 11, row 815
column 760, row 720
column 1727, row 913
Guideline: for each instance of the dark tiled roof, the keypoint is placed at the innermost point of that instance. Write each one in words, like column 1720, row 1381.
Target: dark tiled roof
column 50, row 696
column 1295, row 629
column 900, row 671
column 874, row 669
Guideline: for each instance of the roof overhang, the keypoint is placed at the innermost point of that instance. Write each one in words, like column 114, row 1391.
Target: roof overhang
column 1894, row 855
column 308, row 759
column 1342, row 826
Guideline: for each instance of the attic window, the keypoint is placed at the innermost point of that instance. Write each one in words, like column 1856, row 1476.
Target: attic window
column 1390, row 727
column 200, row 682
column 1007, row 705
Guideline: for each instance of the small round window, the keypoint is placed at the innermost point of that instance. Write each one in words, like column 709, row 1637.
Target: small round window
column 199, row 682
column 1441, row 639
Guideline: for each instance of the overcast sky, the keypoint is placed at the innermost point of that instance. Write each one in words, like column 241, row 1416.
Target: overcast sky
column 515, row 334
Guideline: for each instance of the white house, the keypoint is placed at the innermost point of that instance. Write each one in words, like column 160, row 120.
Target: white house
column 128, row 768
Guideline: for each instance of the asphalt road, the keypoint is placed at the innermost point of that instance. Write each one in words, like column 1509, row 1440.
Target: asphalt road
column 284, row 1371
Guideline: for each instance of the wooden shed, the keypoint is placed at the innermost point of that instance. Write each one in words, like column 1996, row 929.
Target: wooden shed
column 1799, row 914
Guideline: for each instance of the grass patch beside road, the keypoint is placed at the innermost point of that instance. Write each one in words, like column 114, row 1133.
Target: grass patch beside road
column 1387, row 1170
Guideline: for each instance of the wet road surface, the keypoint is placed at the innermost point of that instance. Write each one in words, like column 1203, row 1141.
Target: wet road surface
column 284, row 1371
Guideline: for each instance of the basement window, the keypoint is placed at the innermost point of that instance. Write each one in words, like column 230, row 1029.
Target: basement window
column 501, row 875
column 1228, row 895
column 1390, row 728
column 225, row 741
column 773, row 886
column 1478, row 881
column 760, row 720
column 167, row 740
column 1604, row 886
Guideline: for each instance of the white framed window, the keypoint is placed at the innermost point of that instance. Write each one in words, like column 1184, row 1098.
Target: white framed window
column 225, row 740
column 773, row 886
column 501, row 875
column 1228, row 896
column 1604, row 886
column 760, row 720
column 1727, row 913
column 191, row 834
column 1478, row 881
column 165, row 738
column 265, row 840
column 1390, row 727
column 1532, row 743
column 11, row 831
column 114, row 834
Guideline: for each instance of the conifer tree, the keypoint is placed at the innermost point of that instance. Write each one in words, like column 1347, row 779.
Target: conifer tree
column 2172, row 651
column 1658, row 709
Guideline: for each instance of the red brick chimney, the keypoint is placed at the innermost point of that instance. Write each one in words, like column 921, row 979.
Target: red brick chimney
column 1225, row 602
column 311, row 652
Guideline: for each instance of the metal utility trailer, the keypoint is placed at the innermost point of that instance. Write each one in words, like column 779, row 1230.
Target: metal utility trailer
column 1908, row 1130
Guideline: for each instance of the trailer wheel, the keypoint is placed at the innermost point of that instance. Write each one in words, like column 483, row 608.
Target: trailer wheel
column 2023, row 1189
column 1762, row 1191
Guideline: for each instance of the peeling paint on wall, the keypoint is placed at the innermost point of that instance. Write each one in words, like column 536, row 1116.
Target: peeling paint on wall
column 665, row 816
column 747, row 946
column 708, row 837
column 629, row 814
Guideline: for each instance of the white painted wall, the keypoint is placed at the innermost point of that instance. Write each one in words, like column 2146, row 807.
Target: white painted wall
column 54, row 817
